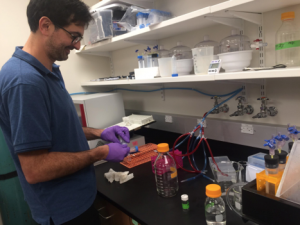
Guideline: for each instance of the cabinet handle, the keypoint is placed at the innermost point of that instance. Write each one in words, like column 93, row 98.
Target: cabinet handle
column 106, row 218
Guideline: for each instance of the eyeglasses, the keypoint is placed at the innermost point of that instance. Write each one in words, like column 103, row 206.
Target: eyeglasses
column 75, row 38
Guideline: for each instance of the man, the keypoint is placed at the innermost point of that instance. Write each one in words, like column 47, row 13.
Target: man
column 40, row 123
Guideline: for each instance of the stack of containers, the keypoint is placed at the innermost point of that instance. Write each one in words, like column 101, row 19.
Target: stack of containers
column 256, row 164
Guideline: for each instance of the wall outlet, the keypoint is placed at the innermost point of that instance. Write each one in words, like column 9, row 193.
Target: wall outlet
column 169, row 119
column 204, row 124
column 247, row 129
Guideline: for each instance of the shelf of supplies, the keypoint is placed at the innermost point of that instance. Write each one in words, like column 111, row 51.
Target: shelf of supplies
column 141, row 3
column 264, row 74
column 182, row 24
column 246, row 76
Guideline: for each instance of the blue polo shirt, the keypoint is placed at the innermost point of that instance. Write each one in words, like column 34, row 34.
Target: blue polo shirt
column 37, row 112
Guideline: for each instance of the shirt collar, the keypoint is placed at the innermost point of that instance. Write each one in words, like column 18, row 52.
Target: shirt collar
column 19, row 53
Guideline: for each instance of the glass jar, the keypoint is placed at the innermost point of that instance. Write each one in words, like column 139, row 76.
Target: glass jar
column 181, row 52
column 207, row 43
column 235, row 42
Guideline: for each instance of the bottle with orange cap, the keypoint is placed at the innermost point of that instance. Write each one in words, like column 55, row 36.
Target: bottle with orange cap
column 165, row 172
column 215, row 211
column 288, row 41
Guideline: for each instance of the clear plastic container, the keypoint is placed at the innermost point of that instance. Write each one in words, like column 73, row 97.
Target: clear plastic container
column 162, row 52
column 257, row 160
column 289, row 186
column 288, row 41
column 235, row 42
column 100, row 28
column 157, row 16
column 141, row 19
column 206, row 43
column 202, row 57
column 215, row 211
column 165, row 172
column 181, row 52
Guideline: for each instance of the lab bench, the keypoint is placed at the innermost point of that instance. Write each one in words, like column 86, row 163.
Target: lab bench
column 138, row 197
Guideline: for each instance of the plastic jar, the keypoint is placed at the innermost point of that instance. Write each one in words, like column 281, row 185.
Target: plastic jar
column 288, row 41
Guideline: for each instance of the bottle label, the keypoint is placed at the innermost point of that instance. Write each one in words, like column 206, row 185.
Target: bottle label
column 209, row 205
column 289, row 44
column 174, row 174
column 186, row 206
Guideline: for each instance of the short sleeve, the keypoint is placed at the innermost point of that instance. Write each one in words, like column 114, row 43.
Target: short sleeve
column 29, row 115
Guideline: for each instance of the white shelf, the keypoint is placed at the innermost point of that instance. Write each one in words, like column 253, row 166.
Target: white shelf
column 140, row 3
column 264, row 74
column 185, row 23
column 247, row 75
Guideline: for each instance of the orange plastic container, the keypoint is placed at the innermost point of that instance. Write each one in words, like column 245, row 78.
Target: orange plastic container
column 273, row 180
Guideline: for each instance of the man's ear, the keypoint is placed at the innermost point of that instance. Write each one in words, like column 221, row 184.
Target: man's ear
column 46, row 26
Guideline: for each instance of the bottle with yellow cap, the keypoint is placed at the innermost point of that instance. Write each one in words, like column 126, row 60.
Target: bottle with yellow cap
column 288, row 41
column 215, row 212
column 165, row 172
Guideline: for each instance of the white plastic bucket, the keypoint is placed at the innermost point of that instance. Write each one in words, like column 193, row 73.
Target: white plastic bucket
column 165, row 67
column 202, row 57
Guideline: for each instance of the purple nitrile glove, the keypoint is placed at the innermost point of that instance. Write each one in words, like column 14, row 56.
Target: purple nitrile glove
column 117, row 152
column 111, row 134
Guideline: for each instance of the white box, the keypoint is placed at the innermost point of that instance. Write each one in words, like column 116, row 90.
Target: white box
column 146, row 73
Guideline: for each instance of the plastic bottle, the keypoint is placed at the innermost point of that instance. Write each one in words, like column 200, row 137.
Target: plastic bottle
column 272, row 164
column 185, row 203
column 215, row 211
column 288, row 41
column 165, row 172
column 141, row 61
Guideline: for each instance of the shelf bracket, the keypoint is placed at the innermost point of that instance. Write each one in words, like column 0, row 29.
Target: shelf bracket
column 255, row 18
column 143, row 42
column 232, row 22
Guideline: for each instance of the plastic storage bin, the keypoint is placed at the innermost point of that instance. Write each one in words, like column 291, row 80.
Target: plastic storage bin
column 257, row 160
column 146, row 73
column 101, row 28
column 157, row 16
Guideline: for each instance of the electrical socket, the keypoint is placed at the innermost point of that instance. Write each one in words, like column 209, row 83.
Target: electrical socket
column 247, row 129
column 204, row 123
column 169, row 119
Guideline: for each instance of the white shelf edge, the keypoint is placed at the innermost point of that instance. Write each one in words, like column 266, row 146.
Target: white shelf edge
column 264, row 74
column 247, row 75
column 228, row 4
column 141, row 3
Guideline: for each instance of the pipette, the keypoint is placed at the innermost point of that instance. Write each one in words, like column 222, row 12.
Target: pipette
column 271, row 144
column 281, row 139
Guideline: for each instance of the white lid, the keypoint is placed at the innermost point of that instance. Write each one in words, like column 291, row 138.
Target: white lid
column 184, row 197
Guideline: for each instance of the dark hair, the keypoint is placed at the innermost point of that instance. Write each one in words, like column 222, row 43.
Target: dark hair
column 61, row 12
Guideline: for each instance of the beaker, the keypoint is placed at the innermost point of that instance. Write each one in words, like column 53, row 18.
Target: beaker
column 228, row 174
column 243, row 171
column 202, row 57
column 234, row 198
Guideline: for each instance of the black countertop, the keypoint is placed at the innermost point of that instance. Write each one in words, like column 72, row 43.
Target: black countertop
column 138, row 197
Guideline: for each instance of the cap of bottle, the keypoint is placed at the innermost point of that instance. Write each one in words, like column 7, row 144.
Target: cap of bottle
column 213, row 191
column 140, row 57
column 282, row 156
column 164, row 147
column 287, row 15
column 184, row 197
column 271, row 162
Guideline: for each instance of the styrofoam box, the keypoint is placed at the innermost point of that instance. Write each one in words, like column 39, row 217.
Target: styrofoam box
column 146, row 73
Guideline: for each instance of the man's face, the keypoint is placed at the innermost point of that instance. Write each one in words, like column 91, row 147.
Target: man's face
column 59, row 44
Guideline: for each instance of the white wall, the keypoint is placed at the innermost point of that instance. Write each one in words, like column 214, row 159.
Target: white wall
column 15, row 31
column 284, row 93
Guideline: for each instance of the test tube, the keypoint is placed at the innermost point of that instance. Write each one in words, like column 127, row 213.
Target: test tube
column 174, row 67
column 272, row 164
column 141, row 61
column 282, row 159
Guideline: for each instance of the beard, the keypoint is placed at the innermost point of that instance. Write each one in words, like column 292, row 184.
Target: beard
column 57, row 52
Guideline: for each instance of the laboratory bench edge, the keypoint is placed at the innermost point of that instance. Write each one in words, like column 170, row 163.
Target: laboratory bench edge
column 138, row 197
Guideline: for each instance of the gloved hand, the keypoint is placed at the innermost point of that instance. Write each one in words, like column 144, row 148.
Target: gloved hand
column 111, row 134
column 117, row 152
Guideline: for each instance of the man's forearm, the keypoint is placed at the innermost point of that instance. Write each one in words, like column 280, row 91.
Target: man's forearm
column 91, row 133
column 46, row 166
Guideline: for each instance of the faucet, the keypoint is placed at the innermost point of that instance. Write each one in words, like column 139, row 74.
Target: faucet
column 219, row 109
column 241, row 108
column 264, row 110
